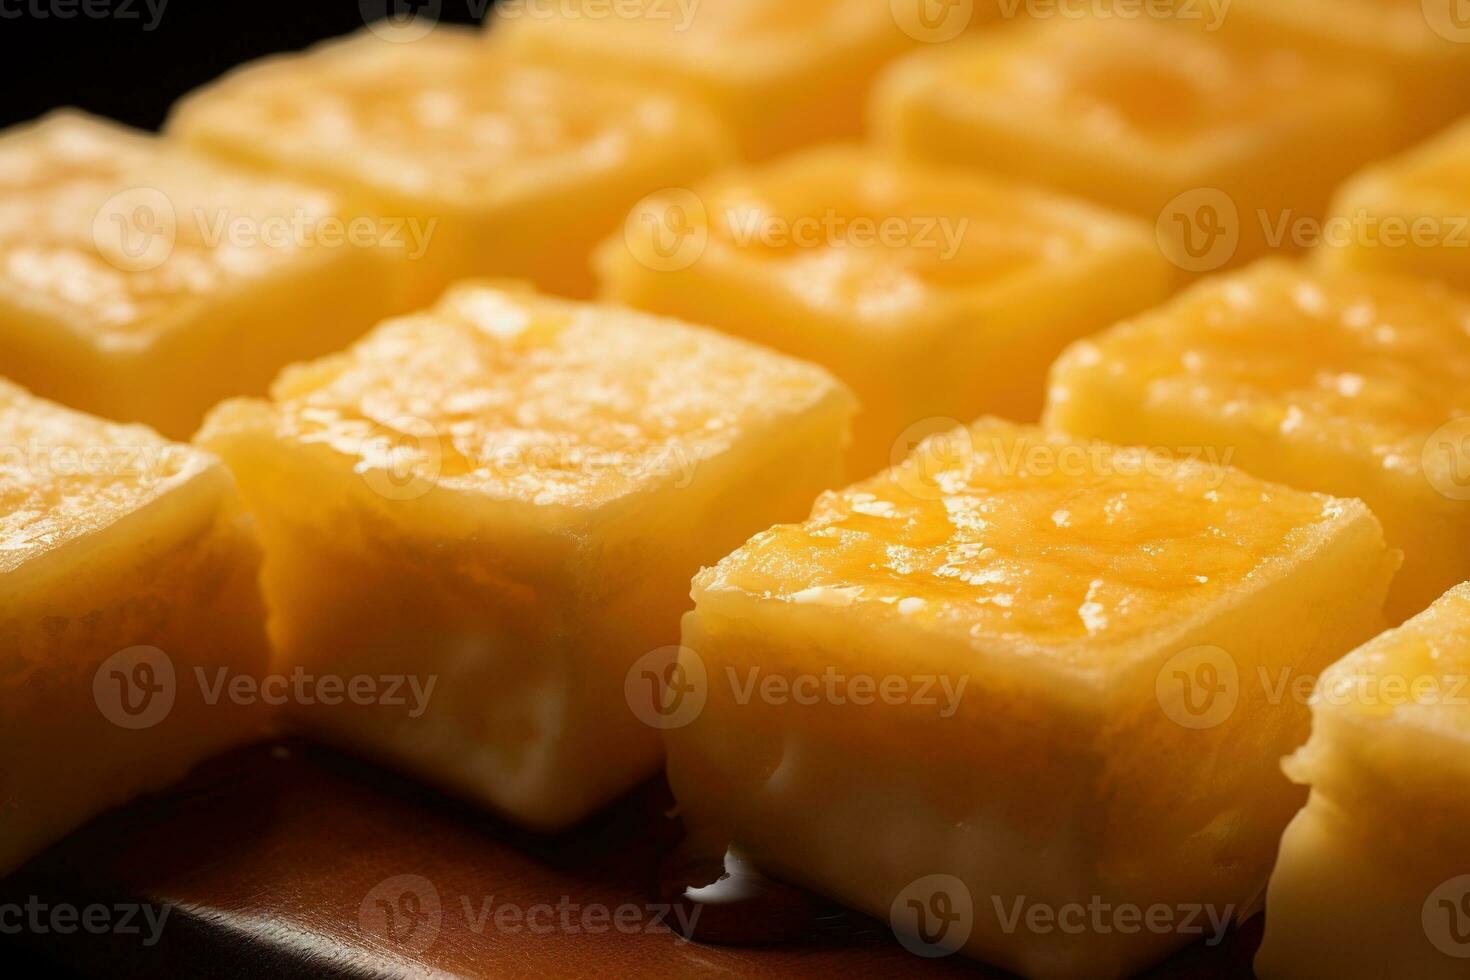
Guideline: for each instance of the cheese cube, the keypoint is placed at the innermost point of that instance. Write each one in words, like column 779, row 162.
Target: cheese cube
column 145, row 283
column 1374, row 875
column 488, row 165
column 782, row 74
column 509, row 494
column 1227, row 148
column 1409, row 214
column 1353, row 385
column 1420, row 45
column 1025, row 668
column 932, row 293
column 127, row 590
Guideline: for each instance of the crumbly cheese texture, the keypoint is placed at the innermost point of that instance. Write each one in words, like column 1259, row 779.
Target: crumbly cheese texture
column 1370, row 875
column 932, row 292
column 510, row 492
column 1072, row 635
column 1325, row 380
column 497, row 165
column 112, row 538
column 1034, row 540
column 542, row 401
column 144, row 282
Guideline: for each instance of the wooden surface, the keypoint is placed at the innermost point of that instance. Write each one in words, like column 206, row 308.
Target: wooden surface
column 292, row 861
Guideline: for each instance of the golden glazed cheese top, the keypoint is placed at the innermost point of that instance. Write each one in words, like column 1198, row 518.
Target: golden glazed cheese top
column 64, row 474
column 522, row 397
column 1126, row 79
column 118, row 235
column 1417, row 675
column 441, row 117
column 859, row 234
column 1001, row 531
column 1366, row 365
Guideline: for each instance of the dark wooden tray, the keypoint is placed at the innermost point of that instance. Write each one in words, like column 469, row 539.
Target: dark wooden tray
column 289, row 860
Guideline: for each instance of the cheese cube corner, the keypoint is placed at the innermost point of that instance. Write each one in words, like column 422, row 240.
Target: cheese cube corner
column 1026, row 668
column 484, row 164
column 1349, row 384
column 508, row 496
column 145, row 283
column 129, row 604
column 1226, row 147
column 935, row 294
column 1374, row 875
column 1407, row 215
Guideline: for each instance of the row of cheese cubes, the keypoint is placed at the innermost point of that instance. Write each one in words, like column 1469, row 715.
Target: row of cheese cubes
column 145, row 284
column 454, row 506
column 381, row 434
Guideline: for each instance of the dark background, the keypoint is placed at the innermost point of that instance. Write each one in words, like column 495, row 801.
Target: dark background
column 118, row 62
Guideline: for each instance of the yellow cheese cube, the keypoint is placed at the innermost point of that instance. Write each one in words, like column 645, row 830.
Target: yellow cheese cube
column 144, row 283
column 1353, row 385
column 1018, row 673
column 492, row 166
column 510, row 493
column 1408, row 215
column 127, row 591
column 782, row 73
column 1223, row 146
column 1421, row 45
column 932, row 293
column 1374, row 875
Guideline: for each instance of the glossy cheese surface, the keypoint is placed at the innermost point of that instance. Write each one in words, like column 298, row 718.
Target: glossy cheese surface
column 1171, row 123
column 76, row 193
column 1327, row 380
column 1368, row 365
column 932, row 292
column 517, row 396
column 433, row 118
column 126, row 566
column 1001, row 531
column 64, row 475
